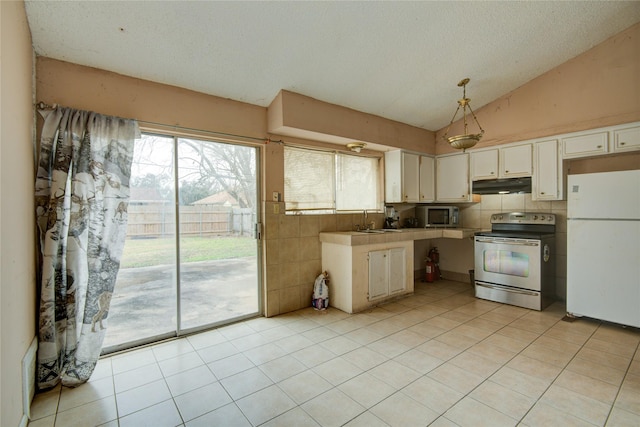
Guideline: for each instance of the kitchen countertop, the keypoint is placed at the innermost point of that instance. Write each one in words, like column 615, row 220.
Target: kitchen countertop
column 357, row 238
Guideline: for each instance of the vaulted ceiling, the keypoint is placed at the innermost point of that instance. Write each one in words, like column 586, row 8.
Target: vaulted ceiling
column 398, row 60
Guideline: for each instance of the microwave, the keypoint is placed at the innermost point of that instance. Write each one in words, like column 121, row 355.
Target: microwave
column 438, row 216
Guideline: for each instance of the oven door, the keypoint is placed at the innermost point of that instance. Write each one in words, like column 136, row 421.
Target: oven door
column 508, row 261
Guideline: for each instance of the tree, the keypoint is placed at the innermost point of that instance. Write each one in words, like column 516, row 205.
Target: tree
column 192, row 191
column 204, row 168
column 226, row 167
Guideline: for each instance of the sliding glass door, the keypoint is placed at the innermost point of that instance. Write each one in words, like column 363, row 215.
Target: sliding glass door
column 218, row 252
column 191, row 257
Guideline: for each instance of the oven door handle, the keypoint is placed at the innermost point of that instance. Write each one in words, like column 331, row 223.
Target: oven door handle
column 502, row 288
column 506, row 242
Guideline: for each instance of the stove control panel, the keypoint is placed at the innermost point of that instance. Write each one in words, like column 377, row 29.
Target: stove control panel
column 523, row 218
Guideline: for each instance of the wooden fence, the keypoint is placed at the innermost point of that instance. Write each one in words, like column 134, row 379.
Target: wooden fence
column 158, row 220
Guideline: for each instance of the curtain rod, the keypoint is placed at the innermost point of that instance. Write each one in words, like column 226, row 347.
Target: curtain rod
column 44, row 106
column 213, row 133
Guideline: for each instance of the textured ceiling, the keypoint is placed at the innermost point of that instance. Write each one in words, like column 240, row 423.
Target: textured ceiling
column 399, row 60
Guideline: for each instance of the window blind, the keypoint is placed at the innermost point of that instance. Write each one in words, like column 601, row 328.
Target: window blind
column 309, row 178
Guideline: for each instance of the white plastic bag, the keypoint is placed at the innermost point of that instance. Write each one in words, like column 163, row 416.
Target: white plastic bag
column 320, row 298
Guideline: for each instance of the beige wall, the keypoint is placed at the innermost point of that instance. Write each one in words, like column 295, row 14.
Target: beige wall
column 17, row 245
column 595, row 89
column 293, row 114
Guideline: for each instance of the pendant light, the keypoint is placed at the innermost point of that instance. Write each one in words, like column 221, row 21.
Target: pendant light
column 467, row 140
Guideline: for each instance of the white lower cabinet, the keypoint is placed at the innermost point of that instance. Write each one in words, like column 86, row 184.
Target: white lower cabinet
column 365, row 275
column 386, row 272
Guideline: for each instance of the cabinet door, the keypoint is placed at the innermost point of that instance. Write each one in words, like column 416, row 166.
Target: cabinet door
column 393, row 176
column 484, row 164
column 547, row 170
column 410, row 177
column 452, row 182
column 626, row 139
column 585, row 145
column 378, row 274
column 396, row 270
column 515, row 161
column 427, row 179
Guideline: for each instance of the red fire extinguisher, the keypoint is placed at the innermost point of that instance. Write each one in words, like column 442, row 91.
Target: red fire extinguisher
column 430, row 273
column 434, row 256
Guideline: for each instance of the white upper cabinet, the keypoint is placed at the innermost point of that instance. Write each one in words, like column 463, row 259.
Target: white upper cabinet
column 452, row 178
column 508, row 162
column 484, row 164
column 586, row 144
column 427, row 179
column 408, row 177
column 613, row 139
column 515, row 161
column 547, row 171
column 393, row 191
column 627, row 139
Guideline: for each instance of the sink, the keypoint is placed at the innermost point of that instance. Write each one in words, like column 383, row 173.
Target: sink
column 379, row 231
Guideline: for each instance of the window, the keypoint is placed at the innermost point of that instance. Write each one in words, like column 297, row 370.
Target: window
column 324, row 181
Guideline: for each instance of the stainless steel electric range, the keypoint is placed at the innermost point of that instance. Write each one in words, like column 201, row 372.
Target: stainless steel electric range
column 515, row 261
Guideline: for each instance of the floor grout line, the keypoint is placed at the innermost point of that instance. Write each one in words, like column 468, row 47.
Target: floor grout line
column 450, row 302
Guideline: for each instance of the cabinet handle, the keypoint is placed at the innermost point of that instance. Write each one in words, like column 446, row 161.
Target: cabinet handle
column 622, row 143
column 506, row 171
column 492, row 172
column 542, row 192
column 599, row 146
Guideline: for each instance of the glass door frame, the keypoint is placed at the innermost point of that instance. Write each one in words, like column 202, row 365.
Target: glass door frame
column 257, row 237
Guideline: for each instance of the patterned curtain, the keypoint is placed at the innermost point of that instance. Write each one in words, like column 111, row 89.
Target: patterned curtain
column 82, row 192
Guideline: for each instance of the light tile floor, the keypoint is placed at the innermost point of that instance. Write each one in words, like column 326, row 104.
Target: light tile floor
column 440, row 357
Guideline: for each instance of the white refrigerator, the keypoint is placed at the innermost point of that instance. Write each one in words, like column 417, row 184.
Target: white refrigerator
column 603, row 246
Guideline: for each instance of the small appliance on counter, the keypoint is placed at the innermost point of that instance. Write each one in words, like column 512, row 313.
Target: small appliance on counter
column 392, row 218
column 411, row 223
column 437, row 216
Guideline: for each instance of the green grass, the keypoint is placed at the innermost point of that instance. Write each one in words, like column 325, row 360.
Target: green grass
column 150, row 252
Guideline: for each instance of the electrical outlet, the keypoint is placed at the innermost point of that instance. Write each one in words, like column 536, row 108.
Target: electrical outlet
column 276, row 196
column 276, row 208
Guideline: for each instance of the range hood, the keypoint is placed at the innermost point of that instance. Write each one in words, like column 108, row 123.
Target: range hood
column 502, row 186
